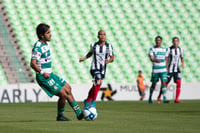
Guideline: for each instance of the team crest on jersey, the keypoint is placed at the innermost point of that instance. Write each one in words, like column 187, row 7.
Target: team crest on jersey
column 55, row 87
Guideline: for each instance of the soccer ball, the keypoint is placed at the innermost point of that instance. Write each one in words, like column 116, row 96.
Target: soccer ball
column 90, row 114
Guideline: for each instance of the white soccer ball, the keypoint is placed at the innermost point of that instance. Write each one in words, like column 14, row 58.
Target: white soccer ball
column 90, row 114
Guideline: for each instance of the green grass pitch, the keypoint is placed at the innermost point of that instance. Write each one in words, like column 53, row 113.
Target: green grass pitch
column 113, row 117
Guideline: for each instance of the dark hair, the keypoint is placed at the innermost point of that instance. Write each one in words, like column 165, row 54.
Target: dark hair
column 41, row 29
column 139, row 71
column 158, row 37
column 175, row 38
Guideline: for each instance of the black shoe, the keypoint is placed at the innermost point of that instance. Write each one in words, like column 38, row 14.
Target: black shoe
column 167, row 101
column 80, row 117
column 62, row 118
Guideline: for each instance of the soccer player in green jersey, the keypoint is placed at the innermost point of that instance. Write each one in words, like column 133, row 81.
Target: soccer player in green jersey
column 48, row 81
column 157, row 55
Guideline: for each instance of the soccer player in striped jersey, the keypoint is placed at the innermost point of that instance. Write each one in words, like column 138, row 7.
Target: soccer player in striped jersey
column 175, row 56
column 48, row 81
column 102, row 55
column 157, row 55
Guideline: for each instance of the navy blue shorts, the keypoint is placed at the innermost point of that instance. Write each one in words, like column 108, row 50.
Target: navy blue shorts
column 97, row 74
column 175, row 75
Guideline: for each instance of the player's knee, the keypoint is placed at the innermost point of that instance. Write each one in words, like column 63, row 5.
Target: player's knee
column 99, row 82
column 62, row 94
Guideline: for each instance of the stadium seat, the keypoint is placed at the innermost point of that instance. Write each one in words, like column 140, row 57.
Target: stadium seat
column 131, row 27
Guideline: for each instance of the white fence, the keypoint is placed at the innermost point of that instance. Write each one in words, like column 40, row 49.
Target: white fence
column 33, row 93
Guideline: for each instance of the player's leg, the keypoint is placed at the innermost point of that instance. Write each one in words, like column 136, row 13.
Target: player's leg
column 66, row 94
column 87, row 101
column 154, row 80
column 97, row 86
column 177, row 78
column 140, row 93
column 89, row 98
column 163, row 85
column 169, row 76
column 61, row 109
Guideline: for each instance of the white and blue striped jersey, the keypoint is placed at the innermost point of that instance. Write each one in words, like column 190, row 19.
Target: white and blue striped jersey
column 100, row 54
column 174, row 56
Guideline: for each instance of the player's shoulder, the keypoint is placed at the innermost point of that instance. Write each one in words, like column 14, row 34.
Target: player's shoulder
column 93, row 44
column 180, row 48
column 37, row 46
column 153, row 47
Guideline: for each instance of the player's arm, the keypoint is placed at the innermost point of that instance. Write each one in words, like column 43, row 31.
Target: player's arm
column 111, row 55
column 151, row 56
column 110, row 60
column 182, row 63
column 138, row 83
column 37, row 69
column 88, row 55
column 166, row 62
column 153, row 60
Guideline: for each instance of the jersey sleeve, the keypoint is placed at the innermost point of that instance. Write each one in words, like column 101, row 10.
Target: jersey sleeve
column 167, row 52
column 111, row 53
column 150, row 52
column 181, row 54
column 91, row 47
column 36, row 53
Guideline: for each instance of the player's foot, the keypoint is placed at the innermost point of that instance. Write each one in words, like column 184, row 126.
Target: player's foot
column 177, row 101
column 62, row 118
column 93, row 103
column 158, row 101
column 80, row 117
column 86, row 104
column 150, row 101
column 165, row 101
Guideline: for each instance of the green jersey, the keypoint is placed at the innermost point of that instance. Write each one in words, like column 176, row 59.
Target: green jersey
column 158, row 53
column 41, row 53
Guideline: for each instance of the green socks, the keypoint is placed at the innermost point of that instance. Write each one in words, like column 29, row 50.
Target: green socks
column 164, row 90
column 76, row 108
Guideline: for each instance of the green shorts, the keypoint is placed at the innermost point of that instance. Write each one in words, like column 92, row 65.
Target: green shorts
column 52, row 85
column 155, row 77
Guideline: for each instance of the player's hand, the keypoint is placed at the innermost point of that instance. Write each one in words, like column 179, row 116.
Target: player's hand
column 157, row 61
column 107, row 61
column 81, row 59
column 182, row 65
column 46, row 75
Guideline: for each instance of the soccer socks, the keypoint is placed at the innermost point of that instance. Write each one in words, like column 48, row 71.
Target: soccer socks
column 178, row 89
column 93, row 103
column 164, row 91
column 90, row 95
column 76, row 108
column 150, row 94
column 61, row 111
column 96, row 90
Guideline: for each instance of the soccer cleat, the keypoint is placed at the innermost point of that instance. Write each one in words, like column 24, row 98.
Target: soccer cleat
column 80, row 117
column 62, row 118
column 150, row 101
column 177, row 101
column 158, row 101
column 165, row 100
column 93, row 103
column 86, row 104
